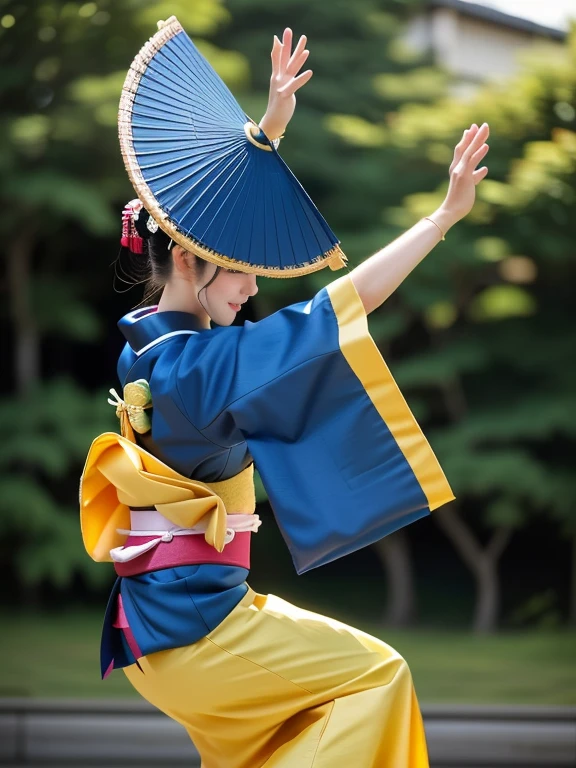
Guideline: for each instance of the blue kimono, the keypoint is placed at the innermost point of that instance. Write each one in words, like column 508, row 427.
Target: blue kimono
column 306, row 396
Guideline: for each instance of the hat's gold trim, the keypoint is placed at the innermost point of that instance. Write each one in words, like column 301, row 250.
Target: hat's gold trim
column 248, row 128
column 334, row 258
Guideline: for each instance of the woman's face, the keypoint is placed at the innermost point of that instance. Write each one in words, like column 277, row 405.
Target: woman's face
column 224, row 297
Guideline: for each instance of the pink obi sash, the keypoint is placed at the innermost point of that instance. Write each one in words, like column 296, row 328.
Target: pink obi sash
column 168, row 546
column 186, row 550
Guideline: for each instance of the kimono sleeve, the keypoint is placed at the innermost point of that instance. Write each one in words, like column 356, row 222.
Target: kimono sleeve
column 340, row 454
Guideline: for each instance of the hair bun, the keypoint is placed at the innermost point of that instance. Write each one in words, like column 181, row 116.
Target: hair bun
column 137, row 226
column 145, row 224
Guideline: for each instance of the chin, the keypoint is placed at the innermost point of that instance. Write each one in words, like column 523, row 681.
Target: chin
column 224, row 319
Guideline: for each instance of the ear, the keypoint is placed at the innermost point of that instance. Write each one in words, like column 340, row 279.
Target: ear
column 181, row 259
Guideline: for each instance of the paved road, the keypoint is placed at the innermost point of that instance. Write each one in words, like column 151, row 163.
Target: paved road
column 103, row 733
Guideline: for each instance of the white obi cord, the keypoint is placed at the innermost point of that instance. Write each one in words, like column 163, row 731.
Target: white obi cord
column 149, row 522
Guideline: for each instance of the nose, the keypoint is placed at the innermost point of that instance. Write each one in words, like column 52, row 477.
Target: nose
column 250, row 286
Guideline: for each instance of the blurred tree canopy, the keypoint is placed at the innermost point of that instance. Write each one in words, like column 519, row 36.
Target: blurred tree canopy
column 63, row 184
column 495, row 304
column 63, row 67
column 479, row 337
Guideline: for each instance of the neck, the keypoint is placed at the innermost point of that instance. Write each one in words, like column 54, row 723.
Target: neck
column 180, row 296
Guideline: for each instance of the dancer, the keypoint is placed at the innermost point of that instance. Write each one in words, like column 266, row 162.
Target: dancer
column 303, row 394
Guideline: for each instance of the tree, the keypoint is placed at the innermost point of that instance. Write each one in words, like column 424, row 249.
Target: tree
column 494, row 303
column 61, row 180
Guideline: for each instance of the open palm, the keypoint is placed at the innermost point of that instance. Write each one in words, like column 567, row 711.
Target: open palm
column 464, row 173
column 284, row 83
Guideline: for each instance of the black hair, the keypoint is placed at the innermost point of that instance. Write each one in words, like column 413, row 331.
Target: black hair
column 154, row 265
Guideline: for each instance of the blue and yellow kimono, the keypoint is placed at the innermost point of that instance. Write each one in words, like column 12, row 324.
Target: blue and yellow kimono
column 306, row 396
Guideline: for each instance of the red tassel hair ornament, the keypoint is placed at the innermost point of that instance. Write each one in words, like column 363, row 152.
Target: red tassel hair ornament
column 130, row 238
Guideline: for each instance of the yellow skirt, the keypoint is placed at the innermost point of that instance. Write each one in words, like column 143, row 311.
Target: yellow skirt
column 281, row 687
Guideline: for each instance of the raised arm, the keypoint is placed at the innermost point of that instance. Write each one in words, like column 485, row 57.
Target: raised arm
column 379, row 275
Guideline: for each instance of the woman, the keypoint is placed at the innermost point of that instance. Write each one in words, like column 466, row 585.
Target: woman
column 303, row 394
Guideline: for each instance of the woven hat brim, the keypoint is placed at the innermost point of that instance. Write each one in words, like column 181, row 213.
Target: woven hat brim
column 210, row 189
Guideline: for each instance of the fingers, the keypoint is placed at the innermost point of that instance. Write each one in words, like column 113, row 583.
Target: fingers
column 298, row 57
column 467, row 137
column 480, row 174
column 295, row 83
column 462, row 145
column 478, row 139
column 471, row 148
column 284, row 63
column 286, row 48
column 275, row 56
column 296, row 62
column 464, row 142
column 479, row 155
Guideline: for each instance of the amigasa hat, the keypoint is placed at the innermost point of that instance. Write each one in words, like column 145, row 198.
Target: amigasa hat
column 207, row 174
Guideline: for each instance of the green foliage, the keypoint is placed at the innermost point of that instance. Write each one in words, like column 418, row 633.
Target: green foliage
column 451, row 667
column 44, row 437
column 541, row 610
column 480, row 337
column 62, row 186
column 495, row 299
column 56, row 302
column 439, row 367
column 261, row 494
column 202, row 17
column 60, row 414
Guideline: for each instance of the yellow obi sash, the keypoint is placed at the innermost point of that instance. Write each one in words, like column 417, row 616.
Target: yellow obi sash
column 119, row 474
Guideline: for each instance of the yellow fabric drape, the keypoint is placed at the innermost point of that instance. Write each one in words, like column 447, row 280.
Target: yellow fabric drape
column 275, row 686
column 119, row 474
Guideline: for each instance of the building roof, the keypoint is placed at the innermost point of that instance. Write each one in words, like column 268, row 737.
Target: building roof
column 499, row 17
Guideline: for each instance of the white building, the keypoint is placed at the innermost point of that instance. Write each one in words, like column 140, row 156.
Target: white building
column 474, row 42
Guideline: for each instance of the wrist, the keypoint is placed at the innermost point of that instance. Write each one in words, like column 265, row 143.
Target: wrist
column 444, row 218
column 271, row 127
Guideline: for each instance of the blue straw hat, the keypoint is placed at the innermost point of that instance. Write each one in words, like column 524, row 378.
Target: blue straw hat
column 207, row 174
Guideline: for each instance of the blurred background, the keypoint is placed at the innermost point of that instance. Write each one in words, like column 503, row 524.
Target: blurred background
column 481, row 596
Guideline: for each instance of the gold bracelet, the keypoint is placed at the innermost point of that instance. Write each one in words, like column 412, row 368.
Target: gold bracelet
column 437, row 225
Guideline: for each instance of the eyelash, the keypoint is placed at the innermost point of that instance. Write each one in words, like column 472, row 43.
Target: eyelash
column 233, row 271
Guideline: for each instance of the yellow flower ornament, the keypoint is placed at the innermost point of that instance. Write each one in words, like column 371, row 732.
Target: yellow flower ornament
column 132, row 408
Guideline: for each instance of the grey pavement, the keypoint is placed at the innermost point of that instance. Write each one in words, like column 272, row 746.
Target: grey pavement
column 67, row 733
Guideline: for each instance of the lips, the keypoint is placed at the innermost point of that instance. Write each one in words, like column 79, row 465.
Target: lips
column 235, row 307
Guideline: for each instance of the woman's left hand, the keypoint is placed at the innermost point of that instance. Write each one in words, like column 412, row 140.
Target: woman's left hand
column 464, row 173
column 284, row 83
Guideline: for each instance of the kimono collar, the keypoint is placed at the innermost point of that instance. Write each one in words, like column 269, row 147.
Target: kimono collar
column 144, row 327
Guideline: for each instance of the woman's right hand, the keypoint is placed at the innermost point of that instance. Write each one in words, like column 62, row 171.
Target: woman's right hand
column 284, row 83
column 464, row 174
